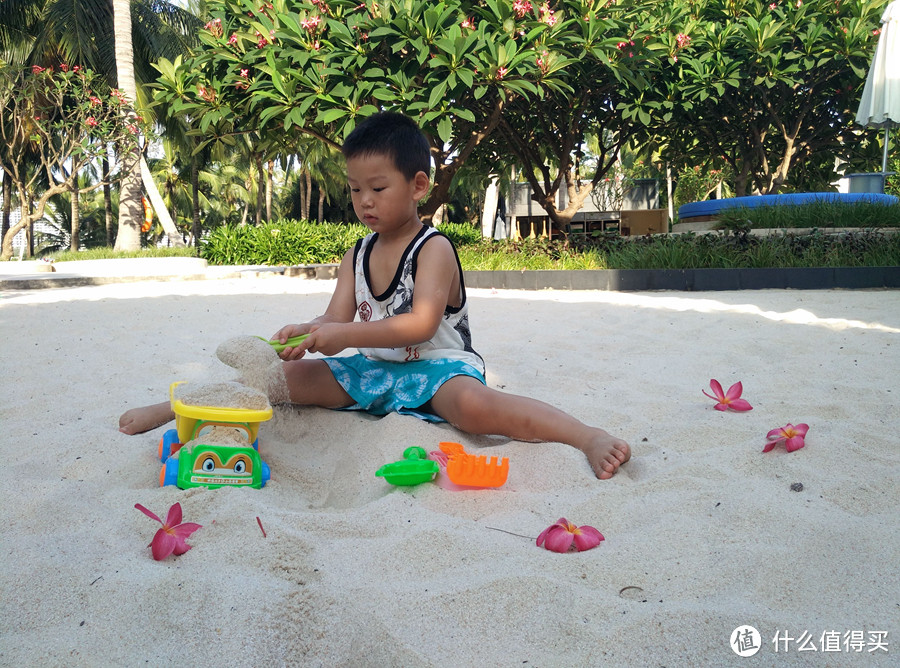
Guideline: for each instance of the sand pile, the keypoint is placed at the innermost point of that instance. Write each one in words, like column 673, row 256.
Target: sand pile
column 258, row 363
column 222, row 395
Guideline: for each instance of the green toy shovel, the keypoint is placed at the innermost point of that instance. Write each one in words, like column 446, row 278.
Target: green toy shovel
column 279, row 346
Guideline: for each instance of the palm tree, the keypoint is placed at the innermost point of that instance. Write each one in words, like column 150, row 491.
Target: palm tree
column 130, row 206
column 92, row 33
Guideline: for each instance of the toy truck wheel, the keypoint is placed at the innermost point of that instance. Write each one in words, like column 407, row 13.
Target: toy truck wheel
column 264, row 477
column 169, row 473
column 166, row 443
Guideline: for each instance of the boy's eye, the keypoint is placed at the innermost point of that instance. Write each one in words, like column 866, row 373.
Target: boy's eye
column 354, row 190
column 378, row 190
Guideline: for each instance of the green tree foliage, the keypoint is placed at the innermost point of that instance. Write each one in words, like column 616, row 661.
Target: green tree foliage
column 57, row 120
column 769, row 88
column 48, row 32
column 607, row 58
column 294, row 67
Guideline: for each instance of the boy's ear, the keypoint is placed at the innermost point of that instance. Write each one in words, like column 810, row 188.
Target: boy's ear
column 422, row 183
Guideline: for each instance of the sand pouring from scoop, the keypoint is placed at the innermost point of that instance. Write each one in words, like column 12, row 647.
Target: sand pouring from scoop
column 259, row 364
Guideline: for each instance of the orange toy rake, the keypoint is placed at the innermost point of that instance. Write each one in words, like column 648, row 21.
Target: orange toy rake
column 474, row 470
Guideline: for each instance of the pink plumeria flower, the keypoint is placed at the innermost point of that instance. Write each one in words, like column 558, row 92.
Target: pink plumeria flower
column 171, row 538
column 731, row 399
column 792, row 435
column 563, row 536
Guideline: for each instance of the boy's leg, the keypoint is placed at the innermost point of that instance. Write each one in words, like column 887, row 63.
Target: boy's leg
column 472, row 407
column 145, row 418
column 311, row 383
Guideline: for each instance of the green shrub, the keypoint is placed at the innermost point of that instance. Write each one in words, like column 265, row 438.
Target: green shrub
column 688, row 251
column 461, row 234
column 282, row 243
column 813, row 215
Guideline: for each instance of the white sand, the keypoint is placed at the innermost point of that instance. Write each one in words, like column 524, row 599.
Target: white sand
column 229, row 394
column 703, row 533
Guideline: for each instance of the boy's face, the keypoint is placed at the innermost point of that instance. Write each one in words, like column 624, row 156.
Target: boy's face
column 383, row 199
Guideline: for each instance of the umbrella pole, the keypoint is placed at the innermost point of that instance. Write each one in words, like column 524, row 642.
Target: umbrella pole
column 884, row 159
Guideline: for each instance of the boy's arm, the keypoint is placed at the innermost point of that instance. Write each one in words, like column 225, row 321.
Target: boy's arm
column 435, row 276
column 342, row 307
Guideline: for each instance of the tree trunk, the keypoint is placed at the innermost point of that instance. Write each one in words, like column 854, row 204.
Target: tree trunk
column 195, row 202
column 321, row 218
column 27, row 212
column 260, row 186
column 307, row 175
column 107, row 203
column 130, row 207
column 159, row 206
column 7, row 204
column 76, row 219
column 270, row 168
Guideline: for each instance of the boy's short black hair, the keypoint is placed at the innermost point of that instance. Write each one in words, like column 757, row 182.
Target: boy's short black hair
column 395, row 136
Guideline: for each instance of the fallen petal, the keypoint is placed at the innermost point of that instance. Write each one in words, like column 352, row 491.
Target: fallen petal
column 185, row 530
column 558, row 539
column 734, row 392
column 180, row 547
column 148, row 513
column 162, row 545
column 770, row 446
column 174, row 517
column 794, row 443
column 716, row 387
column 740, row 405
column 587, row 538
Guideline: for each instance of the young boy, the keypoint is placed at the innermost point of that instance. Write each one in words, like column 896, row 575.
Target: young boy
column 405, row 282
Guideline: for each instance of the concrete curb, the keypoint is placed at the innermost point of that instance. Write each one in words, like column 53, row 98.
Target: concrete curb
column 36, row 275
column 689, row 280
column 623, row 280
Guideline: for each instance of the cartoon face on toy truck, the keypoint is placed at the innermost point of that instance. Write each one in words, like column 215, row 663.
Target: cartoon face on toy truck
column 215, row 466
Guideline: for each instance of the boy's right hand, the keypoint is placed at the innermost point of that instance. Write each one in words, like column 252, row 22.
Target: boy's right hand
column 287, row 332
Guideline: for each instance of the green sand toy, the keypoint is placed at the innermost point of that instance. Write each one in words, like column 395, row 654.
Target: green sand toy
column 413, row 469
column 279, row 346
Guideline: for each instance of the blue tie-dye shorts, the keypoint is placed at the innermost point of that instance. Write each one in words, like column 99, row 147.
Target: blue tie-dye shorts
column 380, row 387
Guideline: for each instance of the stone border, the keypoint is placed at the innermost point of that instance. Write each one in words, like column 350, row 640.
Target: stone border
column 689, row 280
column 682, row 280
column 711, row 227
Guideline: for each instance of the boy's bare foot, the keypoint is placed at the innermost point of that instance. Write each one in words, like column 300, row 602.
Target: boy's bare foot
column 139, row 420
column 606, row 454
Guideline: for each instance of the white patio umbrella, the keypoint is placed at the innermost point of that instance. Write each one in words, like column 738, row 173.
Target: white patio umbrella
column 880, row 104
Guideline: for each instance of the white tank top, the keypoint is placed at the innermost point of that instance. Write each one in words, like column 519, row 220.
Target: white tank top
column 453, row 340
